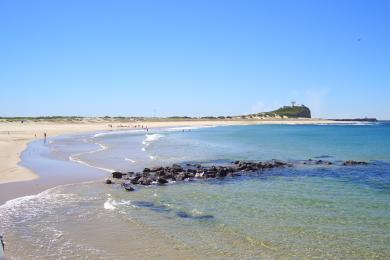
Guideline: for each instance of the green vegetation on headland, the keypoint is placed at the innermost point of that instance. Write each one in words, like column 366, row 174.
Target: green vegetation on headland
column 285, row 112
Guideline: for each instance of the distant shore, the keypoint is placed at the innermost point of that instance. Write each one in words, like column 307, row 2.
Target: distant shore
column 14, row 136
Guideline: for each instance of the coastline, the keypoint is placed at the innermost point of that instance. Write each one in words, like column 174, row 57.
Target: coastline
column 160, row 218
column 16, row 180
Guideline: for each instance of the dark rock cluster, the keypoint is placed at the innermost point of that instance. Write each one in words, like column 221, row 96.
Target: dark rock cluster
column 352, row 162
column 317, row 162
column 162, row 175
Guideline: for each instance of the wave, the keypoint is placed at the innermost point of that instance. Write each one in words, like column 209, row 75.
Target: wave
column 74, row 158
column 13, row 204
column 149, row 139
column 184, row 128
column 152, row 137
column 111, row 204
column 130, row 160
column 117, row 132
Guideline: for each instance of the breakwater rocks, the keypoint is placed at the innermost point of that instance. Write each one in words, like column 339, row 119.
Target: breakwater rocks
column 351, row 162
column 162, row 175
column 188, row 172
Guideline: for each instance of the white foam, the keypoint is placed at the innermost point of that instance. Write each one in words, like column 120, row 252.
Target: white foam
column 152, row 137
column 175, row 129
column 74, row 158
column 130, row 160
column 196, row 212
column 149, row 139
column 151, row 157
column 90, row 165
column 109, row 204
column 117, row 132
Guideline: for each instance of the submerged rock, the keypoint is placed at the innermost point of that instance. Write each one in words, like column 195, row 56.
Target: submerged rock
column 127, row 186
column 161, row 180
column 117, row 175
column 108, row 181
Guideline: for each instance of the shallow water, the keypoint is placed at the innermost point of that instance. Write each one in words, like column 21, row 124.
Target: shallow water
column 313, row 212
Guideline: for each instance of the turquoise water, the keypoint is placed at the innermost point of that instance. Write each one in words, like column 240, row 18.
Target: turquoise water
column 300, row 212
column 360, row 142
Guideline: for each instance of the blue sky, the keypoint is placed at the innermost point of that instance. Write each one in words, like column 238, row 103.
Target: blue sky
column 196, row 58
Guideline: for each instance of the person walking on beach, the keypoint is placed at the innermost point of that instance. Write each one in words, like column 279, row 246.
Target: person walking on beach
column 44, row 135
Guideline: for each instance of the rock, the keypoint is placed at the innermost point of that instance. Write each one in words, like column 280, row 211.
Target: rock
column 127, row 186
column 145, row 181
column 211, row 173
column 181, row 176
column 222, row 172
column 352, row 162
column 135, row 179
column 191, row 175
column 156, row 169
column 161, row 180
column 117, row 175
column 108, row 181
column 278, row 163
column 162, row 175
column 176, row 168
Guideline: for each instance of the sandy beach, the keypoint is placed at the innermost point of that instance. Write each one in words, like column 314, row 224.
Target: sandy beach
column 15, row 136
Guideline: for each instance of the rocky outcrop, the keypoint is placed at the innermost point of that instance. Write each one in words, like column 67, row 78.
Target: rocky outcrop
column 108, row 181
column 127, row 186
column 117, row 175
column 177, row 173
column 352, row 162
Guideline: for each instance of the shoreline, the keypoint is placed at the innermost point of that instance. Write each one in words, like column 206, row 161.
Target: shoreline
column 94, row 198
column 17, row 180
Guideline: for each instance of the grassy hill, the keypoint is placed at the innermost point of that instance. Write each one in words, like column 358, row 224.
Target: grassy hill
column 288, row 111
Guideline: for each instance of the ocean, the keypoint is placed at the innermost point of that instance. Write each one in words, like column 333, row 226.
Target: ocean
column 304, row 211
